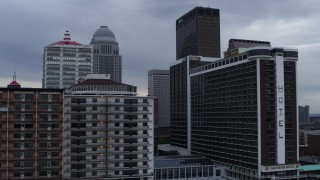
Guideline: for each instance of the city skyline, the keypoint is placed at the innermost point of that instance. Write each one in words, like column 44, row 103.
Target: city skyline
column 145, row 31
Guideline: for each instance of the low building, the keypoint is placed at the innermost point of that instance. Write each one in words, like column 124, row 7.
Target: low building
column 187, row 167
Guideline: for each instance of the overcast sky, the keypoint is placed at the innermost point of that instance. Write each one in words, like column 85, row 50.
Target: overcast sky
column 145, row 30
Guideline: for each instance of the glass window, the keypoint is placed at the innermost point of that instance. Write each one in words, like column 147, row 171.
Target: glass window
column 218, row 172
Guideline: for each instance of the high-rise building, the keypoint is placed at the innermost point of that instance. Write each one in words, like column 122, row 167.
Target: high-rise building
column 304, row 114
column 159, row 87
column 106, row 54
column 66, row 62
column 31, row 133
column 198, row 33
column 243, row 112
column 179, row 99
column 108, row 131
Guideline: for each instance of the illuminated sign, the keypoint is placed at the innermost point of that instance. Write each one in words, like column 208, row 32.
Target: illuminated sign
column 280, row 168
column 231, row 53
column 194, row 58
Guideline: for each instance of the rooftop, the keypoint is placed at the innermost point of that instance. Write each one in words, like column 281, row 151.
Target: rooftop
column 181, row 161
column 66, row 40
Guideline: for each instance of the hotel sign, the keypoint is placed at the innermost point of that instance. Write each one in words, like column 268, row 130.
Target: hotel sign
column 194, row 58
column 281, row 149
column 231, row 53
column 280, row 168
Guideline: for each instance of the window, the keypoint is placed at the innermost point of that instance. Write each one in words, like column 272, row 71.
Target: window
column 94, row 156
column 116, row 156
column 117, row 116
column 117, row 108
column 94, row 140
column 94, row 99
column 94, row 148
column 94, row 132
column 94, row 173
column 117, row 100
column 218, row 173
column 94, row 165
column 94, row 108
column 94, row 124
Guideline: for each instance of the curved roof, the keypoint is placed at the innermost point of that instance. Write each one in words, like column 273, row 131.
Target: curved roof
column 103, row 34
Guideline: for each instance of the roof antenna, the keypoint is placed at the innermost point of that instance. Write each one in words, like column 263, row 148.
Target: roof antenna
column 14, row 73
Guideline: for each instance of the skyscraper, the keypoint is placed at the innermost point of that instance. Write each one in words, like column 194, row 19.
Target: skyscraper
column 159, row 86
column 106, row 54
column 198, row 33
column 66, row 62
column 244, row 111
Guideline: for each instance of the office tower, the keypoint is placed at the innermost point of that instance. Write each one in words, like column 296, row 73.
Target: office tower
column 31, row 133
column 198, row 33
column 106, row 54
column 244, row 112
column 108, row 131
column 66, row 62
column 179, row 99
column 304, row 114
column 159, row 86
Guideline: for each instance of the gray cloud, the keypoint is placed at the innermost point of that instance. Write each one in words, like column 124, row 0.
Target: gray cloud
column 145, row 30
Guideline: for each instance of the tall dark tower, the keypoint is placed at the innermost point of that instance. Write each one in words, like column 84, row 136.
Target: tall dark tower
column 198, row 33
column 197, row 36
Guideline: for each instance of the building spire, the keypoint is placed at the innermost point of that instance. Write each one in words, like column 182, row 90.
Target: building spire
column 67, row 36
column 14, row 73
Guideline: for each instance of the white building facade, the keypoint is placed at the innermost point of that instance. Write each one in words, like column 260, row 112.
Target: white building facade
column 66, row 62
column 108, row 131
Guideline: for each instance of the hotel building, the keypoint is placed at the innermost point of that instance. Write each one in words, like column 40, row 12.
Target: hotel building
column 243, row 111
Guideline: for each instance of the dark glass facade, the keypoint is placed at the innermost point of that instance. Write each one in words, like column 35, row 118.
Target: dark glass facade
column 234, row 108
column 198, row 33
column 178, row 101
column 224, row 115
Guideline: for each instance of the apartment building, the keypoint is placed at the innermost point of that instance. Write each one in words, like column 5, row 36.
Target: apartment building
column 108, row 131
column 31, row 133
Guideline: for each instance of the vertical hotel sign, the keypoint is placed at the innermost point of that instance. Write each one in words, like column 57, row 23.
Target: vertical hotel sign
column 281, row 149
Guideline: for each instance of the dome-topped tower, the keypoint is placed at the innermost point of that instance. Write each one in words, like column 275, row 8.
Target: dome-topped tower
column 103, row 34
column 106, row 57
